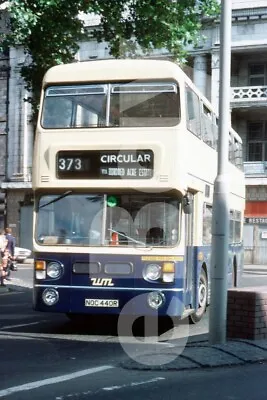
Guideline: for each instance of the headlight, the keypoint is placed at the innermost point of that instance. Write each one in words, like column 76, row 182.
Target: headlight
column 168, row 272
column 152, row 272
column 155, row 299
column 54, row 270
column 50, row 296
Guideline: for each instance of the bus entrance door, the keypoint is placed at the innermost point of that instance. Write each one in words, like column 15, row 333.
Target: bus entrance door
column 189, row 257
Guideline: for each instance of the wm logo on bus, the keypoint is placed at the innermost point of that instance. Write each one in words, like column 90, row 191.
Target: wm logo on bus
column 102, row 282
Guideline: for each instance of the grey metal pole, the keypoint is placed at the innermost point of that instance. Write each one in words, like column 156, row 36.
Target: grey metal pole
column 220, row 218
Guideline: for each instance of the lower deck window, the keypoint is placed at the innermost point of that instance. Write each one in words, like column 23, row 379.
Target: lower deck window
column 108, row 220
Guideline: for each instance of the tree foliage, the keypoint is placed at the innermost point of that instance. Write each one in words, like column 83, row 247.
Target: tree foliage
column 49, row 30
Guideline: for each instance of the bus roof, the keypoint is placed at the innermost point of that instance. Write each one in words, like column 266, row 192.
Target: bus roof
column 112, row 70
column 109, row 70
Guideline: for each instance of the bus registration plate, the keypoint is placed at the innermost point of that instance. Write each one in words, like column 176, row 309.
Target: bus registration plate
column 101, row 303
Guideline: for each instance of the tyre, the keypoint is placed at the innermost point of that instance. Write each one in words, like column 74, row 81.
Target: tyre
column 203, row 298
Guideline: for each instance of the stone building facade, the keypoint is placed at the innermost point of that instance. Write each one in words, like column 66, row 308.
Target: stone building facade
column 16, row 138
column 247, row 106
column 18, row 135
column 4, row 78
column 248, row 114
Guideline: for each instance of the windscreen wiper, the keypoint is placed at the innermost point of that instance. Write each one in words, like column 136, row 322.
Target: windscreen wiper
column 65, row 194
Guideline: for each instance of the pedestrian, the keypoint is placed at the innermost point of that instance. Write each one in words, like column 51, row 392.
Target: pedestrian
column 11, row 242
column 3, row 258
column 9, row 254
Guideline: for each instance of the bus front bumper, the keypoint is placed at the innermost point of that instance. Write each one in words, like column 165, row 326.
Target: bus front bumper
column 83, row 300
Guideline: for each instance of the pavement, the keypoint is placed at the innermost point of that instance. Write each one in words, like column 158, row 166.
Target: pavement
column 197, row 353
column 200, row 354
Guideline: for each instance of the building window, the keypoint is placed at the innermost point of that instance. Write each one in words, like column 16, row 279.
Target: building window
column 207, row 224
column 257, row 141
column 257, row 75
column 235, row 226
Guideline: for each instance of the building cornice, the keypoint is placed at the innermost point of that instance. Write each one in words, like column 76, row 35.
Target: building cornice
column 16, row 185
column 249, row 13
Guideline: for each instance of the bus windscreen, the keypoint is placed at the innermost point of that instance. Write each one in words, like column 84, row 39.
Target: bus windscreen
column 108, row 219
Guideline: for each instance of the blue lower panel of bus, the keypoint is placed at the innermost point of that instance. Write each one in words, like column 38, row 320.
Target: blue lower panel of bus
column 126, row 302
column 114, row 286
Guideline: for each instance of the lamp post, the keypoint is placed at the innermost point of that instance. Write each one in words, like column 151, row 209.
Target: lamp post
column 220, row 218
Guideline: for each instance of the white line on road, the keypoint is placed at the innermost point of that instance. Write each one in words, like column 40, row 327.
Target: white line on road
column 110, row 388
column 14, row 305
column 10, row 293
column 15, row 317
column 20, row 283
column 21, row 325
column 84, row 338
column 52, row 381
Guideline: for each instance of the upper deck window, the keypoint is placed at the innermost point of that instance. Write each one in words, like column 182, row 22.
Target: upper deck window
column 108, row 105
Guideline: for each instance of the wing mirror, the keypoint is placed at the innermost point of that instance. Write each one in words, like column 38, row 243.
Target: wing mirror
column 187, row 204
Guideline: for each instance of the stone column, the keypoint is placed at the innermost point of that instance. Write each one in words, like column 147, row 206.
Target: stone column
column 20, row 135
column 14, row 112
column 215, row 79
column 200, row 73
column 26, row 140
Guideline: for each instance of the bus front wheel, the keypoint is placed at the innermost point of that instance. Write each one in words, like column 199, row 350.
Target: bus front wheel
column 202, row 298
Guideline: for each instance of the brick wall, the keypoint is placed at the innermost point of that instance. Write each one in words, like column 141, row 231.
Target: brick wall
column 247, row 313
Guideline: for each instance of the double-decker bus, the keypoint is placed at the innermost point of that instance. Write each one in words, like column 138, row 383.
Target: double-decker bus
column 125, row 160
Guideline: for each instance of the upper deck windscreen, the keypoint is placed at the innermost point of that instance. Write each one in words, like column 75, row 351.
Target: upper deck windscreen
column 108, row 105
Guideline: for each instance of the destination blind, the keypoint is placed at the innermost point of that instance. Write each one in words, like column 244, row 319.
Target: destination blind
column 105, row 164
